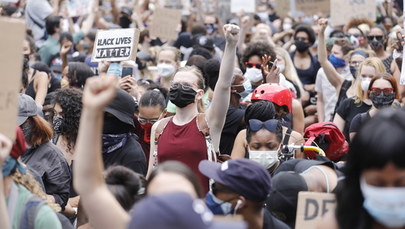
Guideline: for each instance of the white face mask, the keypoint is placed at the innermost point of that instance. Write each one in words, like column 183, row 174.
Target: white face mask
column 253, row 75
column 365, row 83
column 281, row 67
column 265, row 158
column 165, row 70
column 385, row 205
column 287, row 26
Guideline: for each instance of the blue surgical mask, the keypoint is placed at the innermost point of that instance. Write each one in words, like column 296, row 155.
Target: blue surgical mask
column 115, row 69
column 217, row 206
column 385, row 205
column 337, row 62
column 353, row 70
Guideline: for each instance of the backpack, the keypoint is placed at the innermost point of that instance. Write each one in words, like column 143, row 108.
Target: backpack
column 202, row 127
column 328, row 137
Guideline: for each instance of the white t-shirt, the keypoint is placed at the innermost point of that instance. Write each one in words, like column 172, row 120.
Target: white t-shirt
column 322, row 85
column 38, row 11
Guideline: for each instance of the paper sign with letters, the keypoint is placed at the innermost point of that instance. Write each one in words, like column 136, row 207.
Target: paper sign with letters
column 11, row 61
column 115, row 45
column 79, row 7
column 165, row 23
column 344, row 10
column 248, row 6
column 311, row 207
column 310, row 7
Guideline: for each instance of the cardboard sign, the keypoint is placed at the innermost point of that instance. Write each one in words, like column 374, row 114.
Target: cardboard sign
column 402, row 78
column 165, row 23
column 79, row 7
column 283, row 7
column 311, row 207
column 11, row 61
column 248, row 6
column 115, row 45
column 311, row 7
column 343, row 10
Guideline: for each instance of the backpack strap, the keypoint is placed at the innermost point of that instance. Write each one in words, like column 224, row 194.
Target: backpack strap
column 203, row 127
column 158, row 132
column 287, row 136
column 202, row 124
column 31, row 209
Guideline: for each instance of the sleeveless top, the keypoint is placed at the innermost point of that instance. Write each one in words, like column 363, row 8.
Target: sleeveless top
column 387, row 64
column 185, row 144
column 308, row 76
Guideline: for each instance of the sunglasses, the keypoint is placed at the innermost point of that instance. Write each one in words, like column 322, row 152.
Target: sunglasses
column 378, row 91
column 255, row 65
column 215, row 190
column 270, row 125
column 378, row 38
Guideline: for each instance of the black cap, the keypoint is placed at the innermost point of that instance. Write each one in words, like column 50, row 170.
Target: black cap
column 122, row 107
column 246, row 177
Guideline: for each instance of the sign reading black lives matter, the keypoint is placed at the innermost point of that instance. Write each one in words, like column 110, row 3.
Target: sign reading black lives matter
column 115, row 45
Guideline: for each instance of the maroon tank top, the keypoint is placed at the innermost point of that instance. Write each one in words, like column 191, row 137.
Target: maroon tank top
column 185, row 144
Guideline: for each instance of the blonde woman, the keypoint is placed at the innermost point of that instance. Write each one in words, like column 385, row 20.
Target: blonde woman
column 357, row 93
column 286, row 66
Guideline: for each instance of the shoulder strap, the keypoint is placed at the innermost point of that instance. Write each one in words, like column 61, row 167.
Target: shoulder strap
column 35, row 21
column 202, row 124
column 160, row 127
column 31, row 209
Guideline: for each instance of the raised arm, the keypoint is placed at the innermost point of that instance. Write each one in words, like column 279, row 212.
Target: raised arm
column 333, row 76
column 102, row 208
column 216, row 113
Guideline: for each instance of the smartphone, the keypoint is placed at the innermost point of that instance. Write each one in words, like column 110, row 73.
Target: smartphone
column 127, row 71
column 270, row 64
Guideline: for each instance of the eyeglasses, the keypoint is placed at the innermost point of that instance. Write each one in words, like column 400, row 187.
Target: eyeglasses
column 251, row 65
column 185, row 86
column 215, row 190
column 146, row 121
column 355, row 63
column 378, row 91
column 378, row 38
column 301, row 39
column 270, row 125
column 354, row 35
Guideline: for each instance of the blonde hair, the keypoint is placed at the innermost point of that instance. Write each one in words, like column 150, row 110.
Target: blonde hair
column 290, row 72
column 29, row 182
column 356, row 88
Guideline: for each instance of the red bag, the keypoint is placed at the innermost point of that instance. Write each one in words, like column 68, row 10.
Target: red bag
column 328, row 137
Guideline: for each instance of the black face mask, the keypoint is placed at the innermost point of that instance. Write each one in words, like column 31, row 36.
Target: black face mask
column 302, row 46
column 353, row 70
column 125, row 22
column 57, row 125
column 376, row 44
column 381, row 101
column 181, row 97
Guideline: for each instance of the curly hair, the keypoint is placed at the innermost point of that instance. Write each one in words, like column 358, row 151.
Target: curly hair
column 258, row 49
column 70, row 100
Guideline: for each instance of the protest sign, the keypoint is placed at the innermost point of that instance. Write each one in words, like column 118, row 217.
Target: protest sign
column 402, row 78
column 165, row 23
column 11, row 61
column 311, row 207
column 248, row 6
column 283, row 7
column 311, row 7
column 344, row 10
column 115, row 45
column 9, row 1
column 79, row 7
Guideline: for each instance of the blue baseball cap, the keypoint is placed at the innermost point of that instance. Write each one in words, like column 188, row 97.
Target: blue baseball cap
column 245, row 177
column 174, row 211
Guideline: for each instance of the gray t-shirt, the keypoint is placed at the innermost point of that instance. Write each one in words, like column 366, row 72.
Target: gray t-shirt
column 38, row 11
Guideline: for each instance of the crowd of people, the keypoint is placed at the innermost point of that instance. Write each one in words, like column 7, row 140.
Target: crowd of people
column 221, row 127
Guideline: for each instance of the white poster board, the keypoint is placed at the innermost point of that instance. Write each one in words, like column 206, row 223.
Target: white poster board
column 11, row 61
column 311, row 207
column 115, row 45
column 79, row 7
column 344, row 10
column 248, row 6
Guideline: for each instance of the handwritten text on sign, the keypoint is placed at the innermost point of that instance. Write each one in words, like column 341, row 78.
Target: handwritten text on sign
column 115, row 45
column 311, row 207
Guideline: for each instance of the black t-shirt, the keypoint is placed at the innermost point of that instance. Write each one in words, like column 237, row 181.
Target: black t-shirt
column 271, row 222
column 300, row 165
column 130, row 155
column 347, row 110
column 358, row 121
column 232, row 126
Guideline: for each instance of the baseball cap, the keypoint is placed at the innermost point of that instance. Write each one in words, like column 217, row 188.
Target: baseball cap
column 176, row 210
column 205, row 42
column 122, row 107
column 284, row 195
column 246, row 177
column 27, row 108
